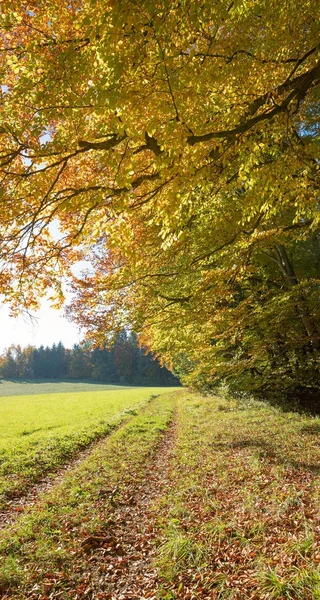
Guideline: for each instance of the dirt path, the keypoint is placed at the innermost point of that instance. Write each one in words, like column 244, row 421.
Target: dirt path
column 19, row 502
column 122, row 569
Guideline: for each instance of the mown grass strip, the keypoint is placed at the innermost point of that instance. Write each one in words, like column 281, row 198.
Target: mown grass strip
column 241, row 521
column 38, row 434
column 43, row 555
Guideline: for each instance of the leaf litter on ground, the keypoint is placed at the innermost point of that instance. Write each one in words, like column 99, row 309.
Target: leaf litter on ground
column 221, row 504
column 66, row 545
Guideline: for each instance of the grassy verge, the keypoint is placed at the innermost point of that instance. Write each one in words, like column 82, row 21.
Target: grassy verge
column 242, row 518
column 38, row 434
column 45, row 555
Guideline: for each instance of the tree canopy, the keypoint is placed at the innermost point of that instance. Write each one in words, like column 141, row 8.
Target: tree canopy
column 174, row 145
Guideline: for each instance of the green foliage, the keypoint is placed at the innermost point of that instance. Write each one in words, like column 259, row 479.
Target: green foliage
column 176, row 146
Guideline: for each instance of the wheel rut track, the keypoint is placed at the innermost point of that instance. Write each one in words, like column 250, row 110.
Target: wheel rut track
column 18, row 503
column 121, row 561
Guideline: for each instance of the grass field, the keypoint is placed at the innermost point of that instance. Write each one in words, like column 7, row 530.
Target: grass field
column 38, row 386
column 236, row 515
column 41, row 556
column 40, row 432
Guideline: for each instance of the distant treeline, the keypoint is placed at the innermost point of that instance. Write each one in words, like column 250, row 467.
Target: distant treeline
column 125, row 363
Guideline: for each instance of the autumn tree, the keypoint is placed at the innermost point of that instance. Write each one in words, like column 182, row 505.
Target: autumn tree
column 173, row 144
column 16, row 362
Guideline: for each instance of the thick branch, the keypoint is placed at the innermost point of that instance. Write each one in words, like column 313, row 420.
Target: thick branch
column 285, row 265
column 113, row 140
column 298, row 88
column 134, row 184
column 51, row 42
column 180, row 299
column 151, row 144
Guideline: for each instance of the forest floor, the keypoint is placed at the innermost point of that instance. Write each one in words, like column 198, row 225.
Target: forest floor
column 190, row 498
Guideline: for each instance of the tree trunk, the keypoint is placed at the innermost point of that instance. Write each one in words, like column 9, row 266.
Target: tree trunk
column 291, row 278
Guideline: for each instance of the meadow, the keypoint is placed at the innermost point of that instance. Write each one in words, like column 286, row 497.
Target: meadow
column 192, row 497
column 40, row 432
column 45, row 386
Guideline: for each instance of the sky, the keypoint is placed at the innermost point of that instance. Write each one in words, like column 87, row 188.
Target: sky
column 47, row 326
column 50, row 327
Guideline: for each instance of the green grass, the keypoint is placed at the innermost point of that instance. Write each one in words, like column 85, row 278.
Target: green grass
column 237, row 516
column 42, row 555
column 44, row 386
column 241, row 518
column 38, row 433
column 178, row 551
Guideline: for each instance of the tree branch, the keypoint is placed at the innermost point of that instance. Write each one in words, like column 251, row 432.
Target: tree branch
column 113, row 140
column 151, row 144
column 298, row 88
